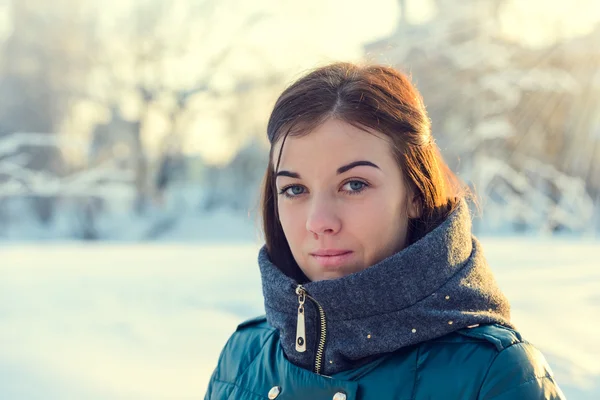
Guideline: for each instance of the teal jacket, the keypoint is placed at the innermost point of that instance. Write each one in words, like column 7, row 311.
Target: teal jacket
column 482, row 363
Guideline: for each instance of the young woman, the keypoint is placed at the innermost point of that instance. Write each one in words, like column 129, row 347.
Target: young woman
column 374, row 286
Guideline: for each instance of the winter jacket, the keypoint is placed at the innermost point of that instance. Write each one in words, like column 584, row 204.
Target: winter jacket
column 428, row 322
column 481, row 363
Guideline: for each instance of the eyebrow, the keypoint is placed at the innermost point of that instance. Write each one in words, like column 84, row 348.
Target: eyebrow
column 340, row 170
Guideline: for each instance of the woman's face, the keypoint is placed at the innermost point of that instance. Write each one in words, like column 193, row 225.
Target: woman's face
column 341, row 199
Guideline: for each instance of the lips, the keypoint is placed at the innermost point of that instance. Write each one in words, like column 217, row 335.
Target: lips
column 331, row 257
column 329, row 252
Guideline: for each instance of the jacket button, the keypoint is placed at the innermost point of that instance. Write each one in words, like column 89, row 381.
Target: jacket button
column 274, row 392
column 339, row 396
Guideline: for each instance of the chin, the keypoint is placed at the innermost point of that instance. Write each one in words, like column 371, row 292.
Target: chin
column 329, row 277
column 332, row 274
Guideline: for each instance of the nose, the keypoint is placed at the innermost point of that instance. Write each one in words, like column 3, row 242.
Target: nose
column 322, row 218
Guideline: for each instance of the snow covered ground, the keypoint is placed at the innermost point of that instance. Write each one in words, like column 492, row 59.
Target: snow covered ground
column 123, row 321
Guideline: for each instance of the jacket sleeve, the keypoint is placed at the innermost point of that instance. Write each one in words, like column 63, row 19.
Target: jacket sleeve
column 520, row 372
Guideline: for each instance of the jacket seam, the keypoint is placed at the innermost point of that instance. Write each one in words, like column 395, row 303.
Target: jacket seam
column 490, row 367
column 535, row 378
column 414, row 390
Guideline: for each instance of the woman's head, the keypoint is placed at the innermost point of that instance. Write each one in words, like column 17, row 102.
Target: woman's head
column 354, row 174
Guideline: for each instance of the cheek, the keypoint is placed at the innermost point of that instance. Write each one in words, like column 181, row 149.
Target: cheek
column 292, row 222
column 381, row 211
column 380, row 223
column 373, row 222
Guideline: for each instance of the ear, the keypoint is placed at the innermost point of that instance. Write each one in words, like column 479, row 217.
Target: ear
column 414, row 206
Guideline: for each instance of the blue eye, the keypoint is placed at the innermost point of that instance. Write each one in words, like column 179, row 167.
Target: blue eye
column 292, row 191
column 354, row 187
column 350, row 187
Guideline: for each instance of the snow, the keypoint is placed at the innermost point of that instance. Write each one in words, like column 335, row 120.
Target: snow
column 522, row 196
column 553, row 286
column 103, row 181
column 140, row 321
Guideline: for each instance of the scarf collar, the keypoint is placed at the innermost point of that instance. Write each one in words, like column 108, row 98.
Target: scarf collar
column 435, row 286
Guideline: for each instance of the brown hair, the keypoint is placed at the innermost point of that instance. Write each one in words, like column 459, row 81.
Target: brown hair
column 372, row 97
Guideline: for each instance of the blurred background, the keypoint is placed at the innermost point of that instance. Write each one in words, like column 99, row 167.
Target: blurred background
column 133, row 143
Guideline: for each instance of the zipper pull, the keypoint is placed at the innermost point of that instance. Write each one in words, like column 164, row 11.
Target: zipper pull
column 300, row 327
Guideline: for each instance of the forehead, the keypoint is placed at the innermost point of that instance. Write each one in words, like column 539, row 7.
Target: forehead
column 333, row 142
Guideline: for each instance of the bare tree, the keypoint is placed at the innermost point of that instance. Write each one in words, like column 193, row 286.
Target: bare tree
column 147, row 64
column 39, row 70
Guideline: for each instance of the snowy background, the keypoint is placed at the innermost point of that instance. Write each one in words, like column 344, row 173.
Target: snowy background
column 126, row 321
column 132, row 144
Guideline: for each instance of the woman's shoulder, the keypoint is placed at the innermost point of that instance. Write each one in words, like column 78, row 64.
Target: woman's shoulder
column 243, row 346
column 250, row 336
column 508, row 366
column 519, row 370
column 482, row 343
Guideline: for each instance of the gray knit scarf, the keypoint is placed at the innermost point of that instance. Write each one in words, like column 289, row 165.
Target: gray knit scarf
column 435, row 286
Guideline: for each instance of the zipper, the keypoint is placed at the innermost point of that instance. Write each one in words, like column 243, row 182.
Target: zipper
column 300, row 325
column 301, row 328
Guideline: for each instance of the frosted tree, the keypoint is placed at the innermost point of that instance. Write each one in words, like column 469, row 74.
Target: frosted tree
column 39, row 69
column 490, row 102
column 236, row 185
column 169, row 63
column 18, row 180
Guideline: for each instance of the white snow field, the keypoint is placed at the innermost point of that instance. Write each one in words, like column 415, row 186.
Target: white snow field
column 123, row 321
